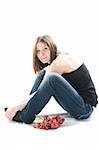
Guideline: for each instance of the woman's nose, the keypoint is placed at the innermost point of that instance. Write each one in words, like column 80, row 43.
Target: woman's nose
column 42, row 54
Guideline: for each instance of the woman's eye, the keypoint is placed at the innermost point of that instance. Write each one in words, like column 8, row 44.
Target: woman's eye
column 45, row 48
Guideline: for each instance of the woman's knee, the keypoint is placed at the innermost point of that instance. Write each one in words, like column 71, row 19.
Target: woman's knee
column 53, row 77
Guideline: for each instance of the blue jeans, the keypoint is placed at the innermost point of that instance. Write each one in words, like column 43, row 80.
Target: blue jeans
column 66, row 96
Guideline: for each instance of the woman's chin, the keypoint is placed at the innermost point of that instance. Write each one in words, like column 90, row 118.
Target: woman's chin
column 45, row 62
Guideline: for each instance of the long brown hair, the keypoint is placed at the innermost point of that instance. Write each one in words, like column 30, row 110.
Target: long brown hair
column 37, row 65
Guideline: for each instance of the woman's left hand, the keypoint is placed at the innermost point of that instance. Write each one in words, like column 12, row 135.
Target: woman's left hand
column 10, row 112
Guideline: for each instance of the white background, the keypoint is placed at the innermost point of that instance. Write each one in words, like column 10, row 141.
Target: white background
column 73, row 25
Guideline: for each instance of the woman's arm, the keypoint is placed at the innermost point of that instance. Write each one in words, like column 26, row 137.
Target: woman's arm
column 11, row 111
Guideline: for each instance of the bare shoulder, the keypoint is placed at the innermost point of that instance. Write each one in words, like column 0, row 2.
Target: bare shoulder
column 67, row 58
column 66, row 63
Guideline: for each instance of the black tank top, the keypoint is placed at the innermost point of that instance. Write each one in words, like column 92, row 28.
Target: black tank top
column 81, row 81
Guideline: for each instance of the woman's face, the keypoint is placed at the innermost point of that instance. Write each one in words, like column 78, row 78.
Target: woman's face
column 43, row 52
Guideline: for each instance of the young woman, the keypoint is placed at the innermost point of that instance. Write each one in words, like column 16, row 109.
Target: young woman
column 58, row 75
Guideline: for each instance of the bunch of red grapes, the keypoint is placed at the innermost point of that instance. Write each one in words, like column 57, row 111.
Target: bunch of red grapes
column 50, row 122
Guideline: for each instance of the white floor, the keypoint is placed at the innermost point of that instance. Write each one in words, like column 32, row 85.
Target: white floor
column 73, row 135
